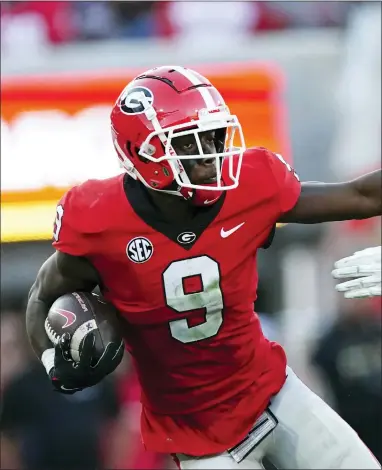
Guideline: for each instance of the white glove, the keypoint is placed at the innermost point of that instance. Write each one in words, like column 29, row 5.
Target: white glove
column 365, row 267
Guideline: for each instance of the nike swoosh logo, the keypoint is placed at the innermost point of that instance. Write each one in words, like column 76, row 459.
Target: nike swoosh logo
column 65, row 389
column 225, row 234
column 70, row 317
column 209, row 201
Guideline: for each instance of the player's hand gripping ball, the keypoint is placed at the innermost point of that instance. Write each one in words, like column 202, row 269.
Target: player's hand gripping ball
column 363, row 269
column 84, row 329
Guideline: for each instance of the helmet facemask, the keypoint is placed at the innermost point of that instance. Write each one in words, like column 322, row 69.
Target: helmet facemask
column 227, row 128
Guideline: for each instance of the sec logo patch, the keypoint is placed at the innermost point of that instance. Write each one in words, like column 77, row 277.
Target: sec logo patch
column 139, row 250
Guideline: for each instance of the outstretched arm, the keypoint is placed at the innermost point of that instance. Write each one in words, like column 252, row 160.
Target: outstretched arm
column 324, row 202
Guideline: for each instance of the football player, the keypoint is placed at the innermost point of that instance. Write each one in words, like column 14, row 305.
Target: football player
column 365, row 268
column 172, row 243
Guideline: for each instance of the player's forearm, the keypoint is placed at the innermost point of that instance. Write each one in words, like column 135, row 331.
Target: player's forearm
column 329, row 202
column 36, row 313
column 59, row 275
column 369, row 187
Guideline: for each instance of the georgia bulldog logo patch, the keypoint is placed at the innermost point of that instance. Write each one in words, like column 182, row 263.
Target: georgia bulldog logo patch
column 136, row 100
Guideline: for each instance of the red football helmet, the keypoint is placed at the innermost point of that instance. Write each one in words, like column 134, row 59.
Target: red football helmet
column 165, row 103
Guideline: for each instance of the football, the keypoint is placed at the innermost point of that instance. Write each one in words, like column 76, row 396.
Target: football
column 78, row 314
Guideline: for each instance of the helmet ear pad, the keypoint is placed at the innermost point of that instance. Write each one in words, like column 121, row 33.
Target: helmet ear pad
column 158, row 175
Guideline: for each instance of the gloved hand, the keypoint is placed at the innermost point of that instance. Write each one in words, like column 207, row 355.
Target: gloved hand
column 68, row 376
column 365, row 268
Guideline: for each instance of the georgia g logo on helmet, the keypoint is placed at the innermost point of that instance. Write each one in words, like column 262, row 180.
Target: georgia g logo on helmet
column 135, row 100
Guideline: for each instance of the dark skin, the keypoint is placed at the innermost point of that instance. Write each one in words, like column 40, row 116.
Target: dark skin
column 199, row 171
column 318, row 202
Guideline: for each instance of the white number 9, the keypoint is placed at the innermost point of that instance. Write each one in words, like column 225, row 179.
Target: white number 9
column 58, row 222
column 210, row 297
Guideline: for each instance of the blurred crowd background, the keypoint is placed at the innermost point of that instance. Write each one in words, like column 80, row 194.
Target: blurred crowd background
column 69, row 22
column 305, row 80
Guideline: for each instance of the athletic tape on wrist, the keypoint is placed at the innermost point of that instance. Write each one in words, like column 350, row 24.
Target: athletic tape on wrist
column 47, row 359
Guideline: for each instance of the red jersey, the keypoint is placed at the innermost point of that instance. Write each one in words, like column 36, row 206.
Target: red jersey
column 186, row 292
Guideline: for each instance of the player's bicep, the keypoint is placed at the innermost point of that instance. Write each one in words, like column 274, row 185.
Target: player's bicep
column 63, row 273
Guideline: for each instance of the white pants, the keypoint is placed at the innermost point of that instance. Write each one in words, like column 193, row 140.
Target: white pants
column 309, row 435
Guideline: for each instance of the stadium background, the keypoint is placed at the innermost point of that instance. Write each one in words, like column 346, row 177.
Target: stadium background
column 304, row 79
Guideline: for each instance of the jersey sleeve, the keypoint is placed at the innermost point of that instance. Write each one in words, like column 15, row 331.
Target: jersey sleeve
column 288, row 186
column 68, row 236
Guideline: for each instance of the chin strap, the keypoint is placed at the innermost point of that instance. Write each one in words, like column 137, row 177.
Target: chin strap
column 201, row 197
column 206, row 198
